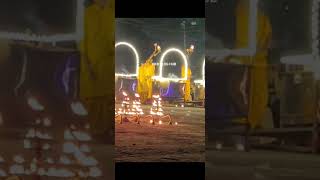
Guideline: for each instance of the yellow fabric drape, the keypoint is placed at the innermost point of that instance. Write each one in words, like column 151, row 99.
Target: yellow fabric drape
column 146, row 72
column 98, row 47
column 258, row 73
column 187, row 87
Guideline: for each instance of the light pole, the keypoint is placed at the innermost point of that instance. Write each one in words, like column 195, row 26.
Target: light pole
column 183, row 24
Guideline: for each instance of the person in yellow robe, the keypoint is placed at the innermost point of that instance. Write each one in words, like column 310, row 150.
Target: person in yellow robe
column 187, row 87
column 142, row 89
column 146, row 72
column 97, row 67
column 258, row 74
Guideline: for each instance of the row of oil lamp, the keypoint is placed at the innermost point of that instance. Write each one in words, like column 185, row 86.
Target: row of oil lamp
column 133, row 108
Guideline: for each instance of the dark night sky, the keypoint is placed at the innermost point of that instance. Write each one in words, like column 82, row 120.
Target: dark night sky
column 290, row 19
column 168, row 32
column 40, row 16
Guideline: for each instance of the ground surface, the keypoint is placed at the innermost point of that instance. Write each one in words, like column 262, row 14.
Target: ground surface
column 261, row 165
column 184, row 142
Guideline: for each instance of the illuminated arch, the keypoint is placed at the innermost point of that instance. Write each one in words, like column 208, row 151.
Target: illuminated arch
column 137, row 59
column 184, row 57
column 203, row 80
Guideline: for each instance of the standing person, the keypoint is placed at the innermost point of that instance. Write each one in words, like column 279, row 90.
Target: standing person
column 187, row 87
column 146, row 72
column 97, row 67
column 258, row 74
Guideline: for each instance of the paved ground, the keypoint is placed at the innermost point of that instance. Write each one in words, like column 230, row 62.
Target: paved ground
column 184, row 142
column 261, row 165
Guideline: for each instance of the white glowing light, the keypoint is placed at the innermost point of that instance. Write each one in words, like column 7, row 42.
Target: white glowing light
column 203, row 80
column 81, row 136
column 85, row 160
column 160, row 122
column 137, row 59
column 176, row 123
column 34, row 104
column 78, row 109
column 161, row 78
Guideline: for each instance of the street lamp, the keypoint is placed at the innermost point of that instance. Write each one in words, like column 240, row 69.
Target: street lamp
column 184, row 33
